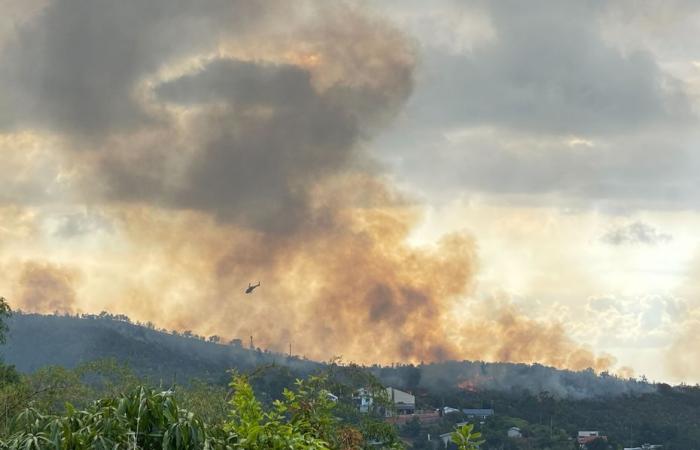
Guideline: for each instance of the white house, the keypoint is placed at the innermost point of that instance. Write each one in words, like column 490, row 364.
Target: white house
column 448, row 410
column 403, row 402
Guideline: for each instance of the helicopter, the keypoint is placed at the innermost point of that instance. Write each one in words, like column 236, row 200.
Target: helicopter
column 251, row 287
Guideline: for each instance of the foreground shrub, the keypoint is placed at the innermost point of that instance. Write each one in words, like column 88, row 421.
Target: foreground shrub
column 143, row 419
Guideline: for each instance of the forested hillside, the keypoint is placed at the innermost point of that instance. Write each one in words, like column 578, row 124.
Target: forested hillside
column 35, row 341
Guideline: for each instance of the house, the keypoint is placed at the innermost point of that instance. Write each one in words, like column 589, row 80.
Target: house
column 478, row 413
column 402, row 402
column 585, row 437
column 447, row 410
column 644, row 447
column 514, row 433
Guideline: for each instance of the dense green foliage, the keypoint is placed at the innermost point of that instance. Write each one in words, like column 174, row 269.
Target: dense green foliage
column 465, row 438
column 142, row 418
column 668, row 417
column 302, row 420
column 146, row 418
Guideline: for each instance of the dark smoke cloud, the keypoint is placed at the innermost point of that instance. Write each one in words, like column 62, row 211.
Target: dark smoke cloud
column 74, row 67
column 277, row 136
column 262, row 134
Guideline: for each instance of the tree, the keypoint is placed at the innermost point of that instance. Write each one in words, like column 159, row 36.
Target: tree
column 5, row 312
column 466, row 438
column 8, row 374
column 300, row 421
column 411, row 428
column 209, row 401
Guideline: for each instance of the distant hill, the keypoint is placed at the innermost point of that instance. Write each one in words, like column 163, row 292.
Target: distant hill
column 472, row 376
column 38, row 340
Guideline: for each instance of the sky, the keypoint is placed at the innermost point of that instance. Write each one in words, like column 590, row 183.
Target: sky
column 410, row 181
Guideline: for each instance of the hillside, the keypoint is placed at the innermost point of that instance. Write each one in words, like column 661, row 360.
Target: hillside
column 38, row 340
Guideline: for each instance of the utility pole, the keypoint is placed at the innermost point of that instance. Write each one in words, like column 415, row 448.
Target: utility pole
column 290, row 349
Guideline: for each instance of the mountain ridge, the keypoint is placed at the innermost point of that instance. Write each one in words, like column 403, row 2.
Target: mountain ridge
column 37, row 340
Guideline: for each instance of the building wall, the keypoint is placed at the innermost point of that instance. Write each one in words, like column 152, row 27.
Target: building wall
column 398, row 396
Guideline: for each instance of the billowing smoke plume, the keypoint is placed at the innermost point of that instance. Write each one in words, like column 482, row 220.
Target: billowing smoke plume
column 508, row 335
column 225, row 143
column 47, row 287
